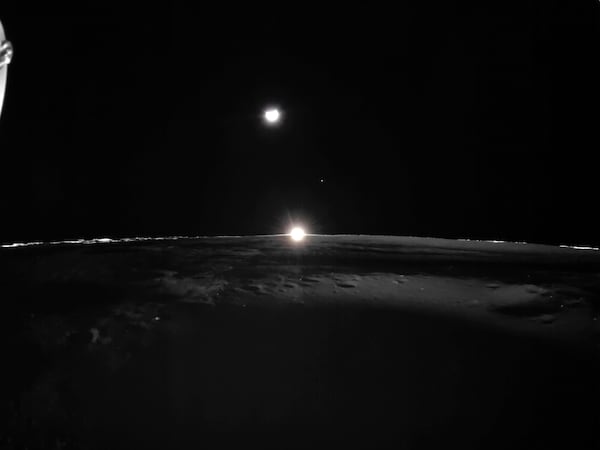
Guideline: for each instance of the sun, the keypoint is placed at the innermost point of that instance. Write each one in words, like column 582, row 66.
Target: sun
column 297, row 234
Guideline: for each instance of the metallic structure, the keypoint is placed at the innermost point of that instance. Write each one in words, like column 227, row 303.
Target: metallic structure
column 6, row 53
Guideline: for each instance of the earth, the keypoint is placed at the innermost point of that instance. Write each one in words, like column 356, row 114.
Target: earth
column 341, row 341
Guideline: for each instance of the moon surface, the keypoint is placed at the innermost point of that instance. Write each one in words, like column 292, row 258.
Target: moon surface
column 259, row 342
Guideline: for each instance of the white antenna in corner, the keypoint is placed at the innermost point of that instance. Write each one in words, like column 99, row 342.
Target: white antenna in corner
column 6, row 52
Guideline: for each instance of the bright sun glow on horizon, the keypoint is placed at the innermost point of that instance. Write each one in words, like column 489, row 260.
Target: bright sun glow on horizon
column 297, row 234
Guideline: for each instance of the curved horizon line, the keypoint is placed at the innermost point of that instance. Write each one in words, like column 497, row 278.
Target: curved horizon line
column 105, row 240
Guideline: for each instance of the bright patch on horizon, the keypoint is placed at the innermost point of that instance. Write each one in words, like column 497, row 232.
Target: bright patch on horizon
column 96, row 241
column 297, row 234
column 580, row 247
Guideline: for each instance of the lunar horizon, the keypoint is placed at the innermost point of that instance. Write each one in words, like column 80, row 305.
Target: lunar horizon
column 322, row 228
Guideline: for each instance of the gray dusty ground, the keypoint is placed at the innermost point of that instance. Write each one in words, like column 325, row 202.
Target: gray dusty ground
column 337, row 342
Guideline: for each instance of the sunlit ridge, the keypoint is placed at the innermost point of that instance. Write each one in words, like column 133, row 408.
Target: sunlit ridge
column 296, row 234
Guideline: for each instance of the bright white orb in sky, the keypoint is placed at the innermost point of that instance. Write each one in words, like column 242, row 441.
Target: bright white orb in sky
column 272, row 115
column 297, row 234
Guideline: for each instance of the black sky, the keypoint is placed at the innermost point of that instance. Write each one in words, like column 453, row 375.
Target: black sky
column 433, row 120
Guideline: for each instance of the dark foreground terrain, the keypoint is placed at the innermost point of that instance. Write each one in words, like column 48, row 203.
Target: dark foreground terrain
column 336, row 342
